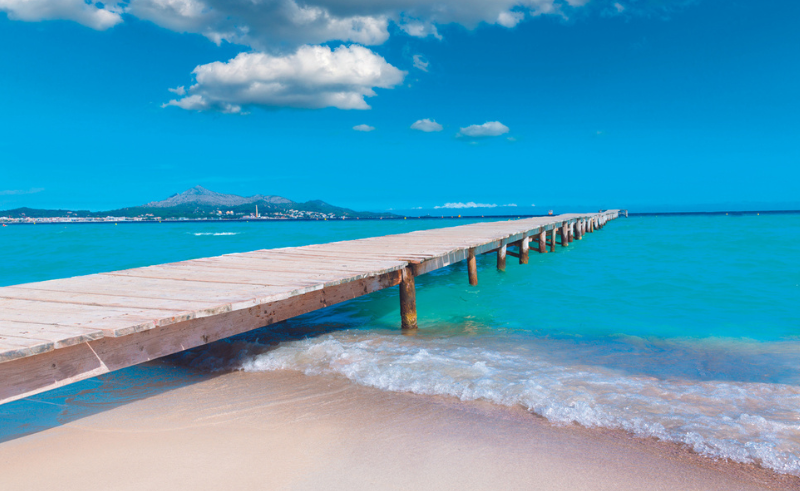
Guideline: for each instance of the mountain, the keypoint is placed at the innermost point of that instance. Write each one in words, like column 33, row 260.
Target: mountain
column 199, row 202
column 201, row 196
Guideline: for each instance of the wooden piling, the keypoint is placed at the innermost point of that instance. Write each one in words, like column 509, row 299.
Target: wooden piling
column 501, row 257
column 542, row 242
column 564, row 234
column 472, row 268
column 523, row 249
column 408, row 301
column 553, row 239
column 578, row 231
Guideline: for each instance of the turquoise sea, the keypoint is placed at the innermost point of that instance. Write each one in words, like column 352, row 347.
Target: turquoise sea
column 682, row 328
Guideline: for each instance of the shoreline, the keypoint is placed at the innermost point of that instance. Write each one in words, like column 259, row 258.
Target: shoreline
column 286, row 430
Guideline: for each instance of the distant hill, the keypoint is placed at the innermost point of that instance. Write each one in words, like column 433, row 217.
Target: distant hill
column 199, row 202
column 201, row 196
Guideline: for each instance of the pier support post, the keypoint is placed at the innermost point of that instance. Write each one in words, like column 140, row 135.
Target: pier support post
column 408, row 301
column 564, row 234
column 553, row 239
column 542, row 242
column 472, row 268
column 591, row 225
column 523, row 249
column 571, row 232
column 501, row 257
column 578, row 232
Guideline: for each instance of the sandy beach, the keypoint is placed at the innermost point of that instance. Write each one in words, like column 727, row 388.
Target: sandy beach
column 284, row 430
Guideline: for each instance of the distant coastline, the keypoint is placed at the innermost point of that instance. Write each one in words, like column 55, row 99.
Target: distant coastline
column 196, row 204
column 110, row 219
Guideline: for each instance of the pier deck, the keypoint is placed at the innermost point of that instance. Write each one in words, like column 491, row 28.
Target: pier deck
column 56, row 332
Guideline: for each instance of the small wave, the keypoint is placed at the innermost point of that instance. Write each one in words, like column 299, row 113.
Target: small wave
column 741, row 421
column 216, row 233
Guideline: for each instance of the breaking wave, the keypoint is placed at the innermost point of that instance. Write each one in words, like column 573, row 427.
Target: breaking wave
column 742, row 421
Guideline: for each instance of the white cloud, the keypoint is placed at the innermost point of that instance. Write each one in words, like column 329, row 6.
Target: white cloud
column 100, row 16
column 363, row 127
column 178, row 90
column 620, row 8
column 421, row 63
column 267, row 25
column 490, row 128
column 426, row 125
column 510, row 19
column 264, row 24
column 312, row 77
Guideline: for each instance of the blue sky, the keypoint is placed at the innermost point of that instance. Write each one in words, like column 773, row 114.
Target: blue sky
column 646, row 105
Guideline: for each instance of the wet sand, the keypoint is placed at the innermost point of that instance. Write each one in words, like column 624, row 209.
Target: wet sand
column 284, row 430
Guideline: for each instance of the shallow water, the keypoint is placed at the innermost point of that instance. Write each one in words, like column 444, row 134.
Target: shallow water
column 683, row 328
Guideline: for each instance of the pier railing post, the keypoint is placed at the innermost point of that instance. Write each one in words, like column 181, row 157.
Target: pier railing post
column 501, row 256
column 472, row 268
column 542, row 242
column 408, row 301
column 523, row 249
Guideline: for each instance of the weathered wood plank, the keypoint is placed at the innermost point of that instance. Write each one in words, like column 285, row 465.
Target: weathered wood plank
column 61, row 336
column 12, row 348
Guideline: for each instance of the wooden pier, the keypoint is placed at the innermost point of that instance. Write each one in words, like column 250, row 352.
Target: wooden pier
column 56, row 332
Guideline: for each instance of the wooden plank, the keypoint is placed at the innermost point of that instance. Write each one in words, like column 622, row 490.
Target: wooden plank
column 61, row 336
column 105, row 300
column 12, row 348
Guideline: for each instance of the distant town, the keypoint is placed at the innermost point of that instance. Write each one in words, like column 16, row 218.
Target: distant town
column 197, row 204
column 71, row 217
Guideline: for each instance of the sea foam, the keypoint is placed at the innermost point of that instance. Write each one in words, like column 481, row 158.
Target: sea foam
column 742, row 421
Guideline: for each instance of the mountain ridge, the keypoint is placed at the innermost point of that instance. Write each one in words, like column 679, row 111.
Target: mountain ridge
column 201, row 203
column 203, row 196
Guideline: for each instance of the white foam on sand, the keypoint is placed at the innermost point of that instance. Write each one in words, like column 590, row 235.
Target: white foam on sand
column 741, row 421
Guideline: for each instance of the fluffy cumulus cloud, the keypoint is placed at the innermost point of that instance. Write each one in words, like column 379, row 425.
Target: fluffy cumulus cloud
column 264, row 24
column 96, row 15
column 426, row 125
column 364, row 127
column 312, row 77
column 490, row 128
column 287, row 24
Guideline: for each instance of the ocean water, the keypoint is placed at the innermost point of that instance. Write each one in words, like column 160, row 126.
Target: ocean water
column 681, row 328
